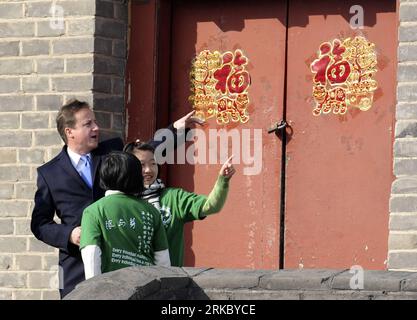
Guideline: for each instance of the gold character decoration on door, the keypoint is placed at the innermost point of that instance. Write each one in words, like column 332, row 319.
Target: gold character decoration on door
column 344, row 76
column 219, row 86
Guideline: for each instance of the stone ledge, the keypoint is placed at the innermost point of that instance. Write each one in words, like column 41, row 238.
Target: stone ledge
column 143, row 283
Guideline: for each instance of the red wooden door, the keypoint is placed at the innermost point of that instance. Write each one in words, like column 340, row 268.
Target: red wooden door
column 339, row 167
column 246, row 232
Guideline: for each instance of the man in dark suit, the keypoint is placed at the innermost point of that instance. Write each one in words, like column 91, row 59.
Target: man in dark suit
column 63, row 188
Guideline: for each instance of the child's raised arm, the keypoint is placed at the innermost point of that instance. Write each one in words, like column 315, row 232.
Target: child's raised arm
column 217, row 197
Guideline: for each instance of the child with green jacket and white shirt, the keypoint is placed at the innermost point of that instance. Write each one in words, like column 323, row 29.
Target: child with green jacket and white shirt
column 121, row 230
column 176, row 205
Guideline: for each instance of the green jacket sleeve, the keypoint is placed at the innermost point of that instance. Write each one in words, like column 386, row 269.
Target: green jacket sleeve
column 217, row 197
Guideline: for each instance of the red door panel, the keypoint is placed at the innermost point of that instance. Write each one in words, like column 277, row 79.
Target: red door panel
column 339, row 168
column 246, row 232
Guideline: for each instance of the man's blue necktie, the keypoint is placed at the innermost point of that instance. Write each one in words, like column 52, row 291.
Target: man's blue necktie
column 85, row 170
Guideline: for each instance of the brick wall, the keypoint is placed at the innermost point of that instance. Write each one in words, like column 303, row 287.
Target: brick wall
column 44, row 62
column 403, row 204
column 43, row 65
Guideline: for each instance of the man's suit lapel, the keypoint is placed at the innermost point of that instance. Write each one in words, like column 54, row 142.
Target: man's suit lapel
column 96, row 165
column 66, row 165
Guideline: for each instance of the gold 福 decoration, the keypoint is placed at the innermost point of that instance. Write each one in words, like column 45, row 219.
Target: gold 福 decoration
column 344, row 76
column 219, row 86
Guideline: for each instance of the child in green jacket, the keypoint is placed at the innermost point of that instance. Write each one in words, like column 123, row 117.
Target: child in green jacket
column 176, row 205
column 121, row 230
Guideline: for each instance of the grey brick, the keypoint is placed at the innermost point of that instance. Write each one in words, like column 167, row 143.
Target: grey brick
column 22, row 226
column 405, row 166
column 6, row 295
column 35, row 84
column 31, row 156
column 35, row 47
column 12, row 245
column 6, row 191
column 410, row 283
column 407, row 52
column 104, row 9
column 11, row 10
column 103, row 46
column 9, row 48
column 404, row 185
column 297, row 279
column 38, row 246
column 14, row 173
column 28, row 262
column 403, row 204
column 406, row 111
column 407, row 33
column 226, row 278
column 9, row 121
column 103, row 119
column 408, row 12
column 118, row 122
column 9, row 85
column 110, row 29
column 50, row 295
column 6, row 226
column 43, row 279
column 406, row 148
column 373, row 280
column 16, row 103
column 8, row 156
column 121, row 11
column 12, row 279
column 26, row 190
column 117, row 86
column 75, row 83
column 50, row 262
column 15, row 139
column 119, row 48
column 402, row 260
column 47, row 138
column 110, row 66
column 81, row 27
column 27, row 294
column 111, row 103
column 102, row 84
column 80, row 65
column 16, row 66
column 35, row 120
column 406, row 129
column 14, row 208
column 46, row 29
column 407, row 72
column 407, row 92
column 39, row 9
column 403, row 222
column 6, row 262
column 50, row 65
column 17, row 29
column 48, row 102
column 242, row 294
column 73, row 46
column 79, row 7
column 402, row 241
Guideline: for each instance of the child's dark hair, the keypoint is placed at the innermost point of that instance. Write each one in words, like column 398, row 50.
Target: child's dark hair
column 131, row 147
column 121, row 171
